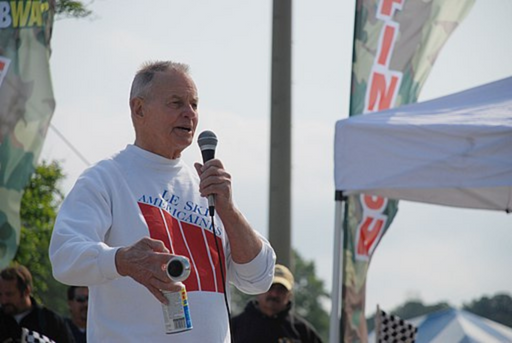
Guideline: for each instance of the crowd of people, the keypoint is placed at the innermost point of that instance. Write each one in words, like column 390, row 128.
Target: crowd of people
column 22, row 316
column 125, row 218
column 269, row 317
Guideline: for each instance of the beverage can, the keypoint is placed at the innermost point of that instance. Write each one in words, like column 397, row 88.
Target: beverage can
column 178, row 268
column 176, row 312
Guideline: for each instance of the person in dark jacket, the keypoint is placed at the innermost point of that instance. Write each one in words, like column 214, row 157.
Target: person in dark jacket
column 270, row 318
column 20, row 310
column 78, row 300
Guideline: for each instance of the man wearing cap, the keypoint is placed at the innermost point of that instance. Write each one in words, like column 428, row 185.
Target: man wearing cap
column 269, row 318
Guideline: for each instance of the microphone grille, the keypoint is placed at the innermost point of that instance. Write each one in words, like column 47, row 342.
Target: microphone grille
column 207, row 140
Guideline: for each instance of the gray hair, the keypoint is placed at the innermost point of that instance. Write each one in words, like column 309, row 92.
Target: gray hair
column 142, row 80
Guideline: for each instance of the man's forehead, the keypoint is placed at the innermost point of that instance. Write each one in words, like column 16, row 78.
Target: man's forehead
column 81, row 290
column 174, row 77
column 7, row 283
column 183, row 95
column 279, row 286
column 179, row 86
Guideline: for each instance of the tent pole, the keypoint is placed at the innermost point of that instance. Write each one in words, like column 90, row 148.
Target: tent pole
column 337, row 264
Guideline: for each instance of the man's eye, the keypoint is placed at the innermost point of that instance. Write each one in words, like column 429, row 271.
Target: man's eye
column 194, row 106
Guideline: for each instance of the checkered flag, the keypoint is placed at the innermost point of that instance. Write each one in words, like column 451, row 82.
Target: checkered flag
column 29, row 336
column 392, row 329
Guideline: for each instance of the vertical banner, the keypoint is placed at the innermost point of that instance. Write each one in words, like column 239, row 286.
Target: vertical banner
column 26, row 106
column 396, row 42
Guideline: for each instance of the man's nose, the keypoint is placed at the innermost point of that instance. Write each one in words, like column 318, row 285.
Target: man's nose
column 273, row 291
column 191, row 111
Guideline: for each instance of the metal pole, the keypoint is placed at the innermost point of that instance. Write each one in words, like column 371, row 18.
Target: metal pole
column 337, row 264
column 280, row 133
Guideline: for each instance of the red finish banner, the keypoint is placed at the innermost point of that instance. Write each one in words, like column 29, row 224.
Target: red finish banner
column 396, row 43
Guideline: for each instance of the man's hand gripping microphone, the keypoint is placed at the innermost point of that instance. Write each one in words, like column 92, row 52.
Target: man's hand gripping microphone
column 207, row 141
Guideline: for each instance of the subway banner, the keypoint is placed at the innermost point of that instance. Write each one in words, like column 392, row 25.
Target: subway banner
column 26, row 106
column 396, row 43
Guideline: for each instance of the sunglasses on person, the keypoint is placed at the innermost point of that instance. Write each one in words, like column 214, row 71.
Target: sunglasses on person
column 81, row 299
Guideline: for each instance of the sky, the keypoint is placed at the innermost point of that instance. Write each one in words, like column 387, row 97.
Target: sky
column 430, row 253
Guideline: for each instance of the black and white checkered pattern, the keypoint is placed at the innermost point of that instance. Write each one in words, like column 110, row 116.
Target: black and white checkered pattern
column 29, row 336
column 392, row 329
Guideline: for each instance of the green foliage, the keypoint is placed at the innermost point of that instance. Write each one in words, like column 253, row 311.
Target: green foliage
column 497, row 308
column 71, row 9
column 38, row 211
column 416, row 308
column 238, row 301
column 309, row 293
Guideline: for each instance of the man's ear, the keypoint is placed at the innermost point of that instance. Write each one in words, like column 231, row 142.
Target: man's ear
column 136, row 106
column 27, row 291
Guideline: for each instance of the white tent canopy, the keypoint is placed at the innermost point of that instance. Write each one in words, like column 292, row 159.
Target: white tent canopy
column 453, row 325
column 454, row 151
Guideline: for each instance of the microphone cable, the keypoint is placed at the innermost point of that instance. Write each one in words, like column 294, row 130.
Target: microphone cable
column 207, row 141
column 211, row 210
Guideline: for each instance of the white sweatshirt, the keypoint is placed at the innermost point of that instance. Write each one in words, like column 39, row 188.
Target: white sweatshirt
column 137, row 194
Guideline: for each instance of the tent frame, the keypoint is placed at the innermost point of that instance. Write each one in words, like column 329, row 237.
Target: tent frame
column 336, row 291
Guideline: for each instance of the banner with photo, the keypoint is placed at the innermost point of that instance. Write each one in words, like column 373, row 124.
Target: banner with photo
column 396, row 43
column 26, row 106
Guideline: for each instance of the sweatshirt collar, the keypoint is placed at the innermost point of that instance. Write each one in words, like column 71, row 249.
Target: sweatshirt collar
column 151, row 158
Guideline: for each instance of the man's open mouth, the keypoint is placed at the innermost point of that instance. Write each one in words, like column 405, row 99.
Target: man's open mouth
column 184, row 128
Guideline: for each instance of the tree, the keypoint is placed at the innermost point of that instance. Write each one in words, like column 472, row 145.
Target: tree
column 308, row 295
column 71, row 9
column 497, row 308
column 38, row 211
column 416, row 308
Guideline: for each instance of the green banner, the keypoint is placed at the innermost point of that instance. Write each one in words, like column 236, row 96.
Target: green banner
column 26, row 106
column 396, row 43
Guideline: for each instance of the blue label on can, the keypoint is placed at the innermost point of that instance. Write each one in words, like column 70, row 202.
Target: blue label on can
column 176, row 313
column 186, row 309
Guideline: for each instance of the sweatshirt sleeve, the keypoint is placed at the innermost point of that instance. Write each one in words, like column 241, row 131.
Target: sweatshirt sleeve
column 256, row 276
column 77, row 251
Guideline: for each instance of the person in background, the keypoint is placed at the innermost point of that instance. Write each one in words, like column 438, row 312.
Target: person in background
column 270, row 317
column 20, row 310
column 78, row 299
column 128, row 215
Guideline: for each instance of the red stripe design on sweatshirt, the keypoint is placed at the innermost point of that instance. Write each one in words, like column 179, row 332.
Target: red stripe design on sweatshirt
column 191, row 241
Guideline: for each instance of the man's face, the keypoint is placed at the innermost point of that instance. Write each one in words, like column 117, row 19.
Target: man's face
column 274, row 300
column 166, row 119
column 78, row 306
column 12, row 300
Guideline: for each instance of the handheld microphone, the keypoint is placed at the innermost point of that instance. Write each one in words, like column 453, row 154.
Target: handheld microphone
column 207, row 141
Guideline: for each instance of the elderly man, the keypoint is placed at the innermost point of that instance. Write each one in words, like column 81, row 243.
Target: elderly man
column 128, row 215
column 270, row 318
